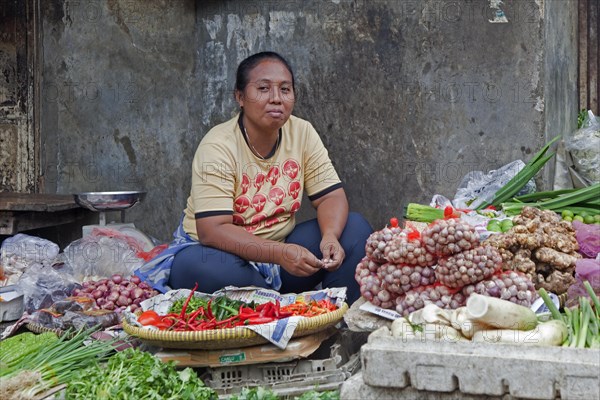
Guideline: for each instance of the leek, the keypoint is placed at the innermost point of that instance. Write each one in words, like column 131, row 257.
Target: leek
column 517, row 182
column 579, row 200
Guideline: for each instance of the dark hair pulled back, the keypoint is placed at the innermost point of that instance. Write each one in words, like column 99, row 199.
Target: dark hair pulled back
column 243, row 70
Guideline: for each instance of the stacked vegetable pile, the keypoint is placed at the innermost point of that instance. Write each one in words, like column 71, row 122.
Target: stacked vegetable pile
column 33, row 364
column 133, row 374
column 483, row 319
column 116, row 293
column 196, row 313
column 399, row 270
column 541, row 246
column 583, row 320
column 396, row 264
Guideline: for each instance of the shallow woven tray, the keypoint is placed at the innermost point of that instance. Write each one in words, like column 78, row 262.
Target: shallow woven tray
column 39, row 328
column 217, row 339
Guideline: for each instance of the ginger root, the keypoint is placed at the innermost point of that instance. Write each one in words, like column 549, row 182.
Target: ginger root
column 559, row 260
column 557, row 282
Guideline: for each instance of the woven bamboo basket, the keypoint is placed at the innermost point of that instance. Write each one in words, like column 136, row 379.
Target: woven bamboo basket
column 39, row 328
column 218, row 339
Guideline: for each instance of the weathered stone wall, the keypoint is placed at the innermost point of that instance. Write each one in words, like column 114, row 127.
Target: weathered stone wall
column 407, row 95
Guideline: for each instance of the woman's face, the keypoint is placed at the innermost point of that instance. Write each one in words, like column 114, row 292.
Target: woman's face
column 268, row 99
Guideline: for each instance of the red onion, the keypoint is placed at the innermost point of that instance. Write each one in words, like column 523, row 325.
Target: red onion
column 122, row 300
column 97, row 294
column 137, row 300
column 103, row 281
column 137, row 293
column 101, row 301
column 135, row 279
column 102, row 288
column 109, row 305
column 113, row 296
column 133, row 307
column 144, row 286
column 116, row 278
column 125, row 293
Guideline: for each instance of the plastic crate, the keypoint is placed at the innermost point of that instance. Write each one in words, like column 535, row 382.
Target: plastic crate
column 294, row 377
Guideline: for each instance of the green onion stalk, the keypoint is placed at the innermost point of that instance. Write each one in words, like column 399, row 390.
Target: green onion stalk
column 56, row 363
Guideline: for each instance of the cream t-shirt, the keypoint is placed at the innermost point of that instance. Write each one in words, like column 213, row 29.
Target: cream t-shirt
column 262, row 195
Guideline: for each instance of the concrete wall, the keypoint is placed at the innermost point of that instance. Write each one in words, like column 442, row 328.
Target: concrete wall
column 408, row 96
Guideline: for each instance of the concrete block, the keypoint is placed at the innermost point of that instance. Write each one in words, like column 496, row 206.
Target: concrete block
column 530, row 372
column 356, row 389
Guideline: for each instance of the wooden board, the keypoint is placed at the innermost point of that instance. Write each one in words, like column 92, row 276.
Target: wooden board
column 11, row 201
column 20, row 212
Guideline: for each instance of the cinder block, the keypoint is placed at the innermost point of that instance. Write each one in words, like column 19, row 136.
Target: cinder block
column 356, row 389
column 529, row 372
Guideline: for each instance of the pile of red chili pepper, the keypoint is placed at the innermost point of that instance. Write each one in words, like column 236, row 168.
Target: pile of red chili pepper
column 196, row 313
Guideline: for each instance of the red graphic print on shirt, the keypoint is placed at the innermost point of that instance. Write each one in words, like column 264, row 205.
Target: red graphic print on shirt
column 276, row 195
column 258, row 218
column 238, row 219
column 294, row 189
column 258, row 202
column 291, row 168
column 273, row 175
column 295, row 207
column 241, row 204
column 245, row 183
column 259, row 181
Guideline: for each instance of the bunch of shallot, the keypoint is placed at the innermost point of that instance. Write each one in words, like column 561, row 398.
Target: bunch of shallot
column 507, row 285
column 398, row 278
column 439, row 295
column 445, row 237
column 469, row 266
column 378, row 241
column 407, row 248
column 116, row 293
column 372, row 291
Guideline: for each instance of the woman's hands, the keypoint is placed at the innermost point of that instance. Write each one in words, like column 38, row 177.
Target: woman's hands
column 333, row 252
column 298, row 261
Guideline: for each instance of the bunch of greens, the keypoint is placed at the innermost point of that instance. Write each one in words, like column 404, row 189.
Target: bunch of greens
column 134, row 374
column 52, row 362
column 583, row 321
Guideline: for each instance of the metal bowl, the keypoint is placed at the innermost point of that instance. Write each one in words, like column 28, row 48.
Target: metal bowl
column 109, row 201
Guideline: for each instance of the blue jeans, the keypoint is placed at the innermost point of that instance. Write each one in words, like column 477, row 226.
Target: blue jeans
column 214, row 269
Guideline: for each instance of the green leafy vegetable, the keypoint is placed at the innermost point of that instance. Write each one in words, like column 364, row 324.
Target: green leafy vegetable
column 255, row 393
column 134, row 374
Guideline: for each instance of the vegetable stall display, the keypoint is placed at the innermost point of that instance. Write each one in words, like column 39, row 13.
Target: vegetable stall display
column 541, row 246
column 116, row 293
column 134, row 374
column 34, row 364
column 405, row 269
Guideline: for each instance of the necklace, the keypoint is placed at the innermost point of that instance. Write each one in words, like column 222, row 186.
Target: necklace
column 256, row 153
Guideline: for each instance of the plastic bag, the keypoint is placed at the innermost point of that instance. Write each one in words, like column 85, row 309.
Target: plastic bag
column 43, row 286
column 586, row 269
column 101, row 256
column 21, row 252
column 478, row 188
column 588, row 237
column 583, row 144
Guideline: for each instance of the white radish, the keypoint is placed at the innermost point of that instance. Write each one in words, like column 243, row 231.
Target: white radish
column 500, row 314
column 551, row 333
